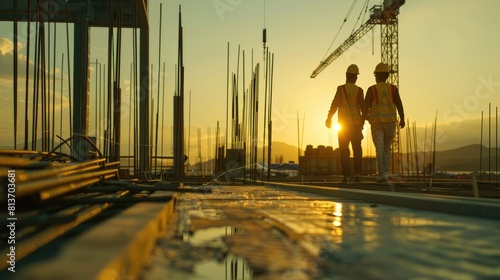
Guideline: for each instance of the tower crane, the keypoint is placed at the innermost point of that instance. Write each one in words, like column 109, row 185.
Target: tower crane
column 385, row 15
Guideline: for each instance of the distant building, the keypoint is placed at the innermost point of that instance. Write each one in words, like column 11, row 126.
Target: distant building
column 323, row 161
column 286, row 170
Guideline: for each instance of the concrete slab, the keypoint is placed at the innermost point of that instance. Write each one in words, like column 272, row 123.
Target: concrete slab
column 465, row 206
column 252, row 232
column 117, row 248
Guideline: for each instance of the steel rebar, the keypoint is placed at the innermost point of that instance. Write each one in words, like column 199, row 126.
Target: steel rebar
column 24, row 189
column 61, row 169
column 45, row 236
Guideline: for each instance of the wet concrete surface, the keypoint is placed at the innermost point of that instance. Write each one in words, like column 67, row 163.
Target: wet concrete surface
column 257, row 232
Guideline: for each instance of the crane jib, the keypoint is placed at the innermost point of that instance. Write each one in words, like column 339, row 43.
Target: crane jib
column 385, row 14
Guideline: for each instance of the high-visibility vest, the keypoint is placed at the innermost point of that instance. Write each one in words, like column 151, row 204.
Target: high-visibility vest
column 383, row 109
column 348, row 109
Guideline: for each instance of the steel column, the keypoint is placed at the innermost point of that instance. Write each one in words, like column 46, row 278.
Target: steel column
column 81, row 80
column 144, row 148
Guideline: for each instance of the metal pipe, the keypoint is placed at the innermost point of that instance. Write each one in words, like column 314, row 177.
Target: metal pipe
column 110, row 153
column 481, row 149
column 136, row 115
column 158, row 94
column 415, row 138
column 117, row 88
column 15, row 72
column 114, row 163
column 408, row 147
column 64, row 189
column 45, row 90
column 26, row 120
column 489, row 142
column 24, row 189
column 264, row 124
column 162, row 116
column 35, row 87
column 54, row 88
column 434, row 145
column 61, row 99
column 425, row 150
column 82, row 170
column 270, row 114
column 130, row 116
column 140, row 188
column 63, row 170
column 43, row 237
column 227, row 97
column 126, row 199
column 69, row 74
column 17, row 152
column 152, row 123
column 20, row 162
column 42, row 218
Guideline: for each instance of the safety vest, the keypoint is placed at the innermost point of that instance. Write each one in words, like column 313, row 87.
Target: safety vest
column 348, row 109
column 383, row 109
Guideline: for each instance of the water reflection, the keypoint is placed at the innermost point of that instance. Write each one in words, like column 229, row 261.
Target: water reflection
column 287, row 237
column 201, row 255
column 232, row 267
column 337, row 231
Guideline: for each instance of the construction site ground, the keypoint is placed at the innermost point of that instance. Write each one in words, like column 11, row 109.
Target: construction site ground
column 281, row 232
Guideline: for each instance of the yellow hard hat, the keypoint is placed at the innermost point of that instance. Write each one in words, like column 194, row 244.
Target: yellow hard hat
column 353, row 69
column 381, row 68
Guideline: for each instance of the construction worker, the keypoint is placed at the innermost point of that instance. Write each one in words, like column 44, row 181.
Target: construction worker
column 348, row 101
column 381, row 102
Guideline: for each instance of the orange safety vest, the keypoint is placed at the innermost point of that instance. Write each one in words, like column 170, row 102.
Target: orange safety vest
column 383, row 109
column 348, row 109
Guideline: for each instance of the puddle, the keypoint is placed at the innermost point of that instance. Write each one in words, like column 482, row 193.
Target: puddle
column 202, row 255
column 297, row 236
column 231, row 267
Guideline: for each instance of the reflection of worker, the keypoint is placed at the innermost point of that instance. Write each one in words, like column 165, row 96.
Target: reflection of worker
column 348, row 101
column 382, row 100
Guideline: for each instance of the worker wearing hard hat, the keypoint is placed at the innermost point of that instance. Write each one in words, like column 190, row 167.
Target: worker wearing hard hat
column 348, row 101
column 381, row 102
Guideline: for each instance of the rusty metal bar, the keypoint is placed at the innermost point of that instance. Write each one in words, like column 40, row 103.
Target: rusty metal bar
column 43, row 237
column 24, row 189
column 21, row 162
column 66, row 170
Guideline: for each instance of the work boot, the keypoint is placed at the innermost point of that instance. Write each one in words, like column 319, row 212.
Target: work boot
column 357, row 178
column 345, row 180
column 381, row 180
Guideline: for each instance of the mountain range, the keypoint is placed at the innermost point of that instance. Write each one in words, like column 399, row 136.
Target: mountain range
column 464, row 158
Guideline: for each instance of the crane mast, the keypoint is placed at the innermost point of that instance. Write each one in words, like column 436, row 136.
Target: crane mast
column 385, row 15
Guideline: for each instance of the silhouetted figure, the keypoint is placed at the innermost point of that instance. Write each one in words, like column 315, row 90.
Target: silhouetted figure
column 348, row 101
column 381, row 102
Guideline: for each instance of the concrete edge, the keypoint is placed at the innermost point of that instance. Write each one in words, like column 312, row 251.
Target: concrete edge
column 135, row 255
column 116, row 248
column 475, row 207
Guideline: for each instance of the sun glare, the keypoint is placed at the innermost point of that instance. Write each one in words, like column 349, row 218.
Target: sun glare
column 338, row 127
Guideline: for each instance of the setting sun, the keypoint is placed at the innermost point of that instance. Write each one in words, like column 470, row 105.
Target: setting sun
column 338, row 127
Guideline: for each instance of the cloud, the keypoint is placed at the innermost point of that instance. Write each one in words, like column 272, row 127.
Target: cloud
column 6, row 45
column 7, row 59
column 7, row 65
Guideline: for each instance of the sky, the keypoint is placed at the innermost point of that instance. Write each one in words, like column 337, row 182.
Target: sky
column 448, row 61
